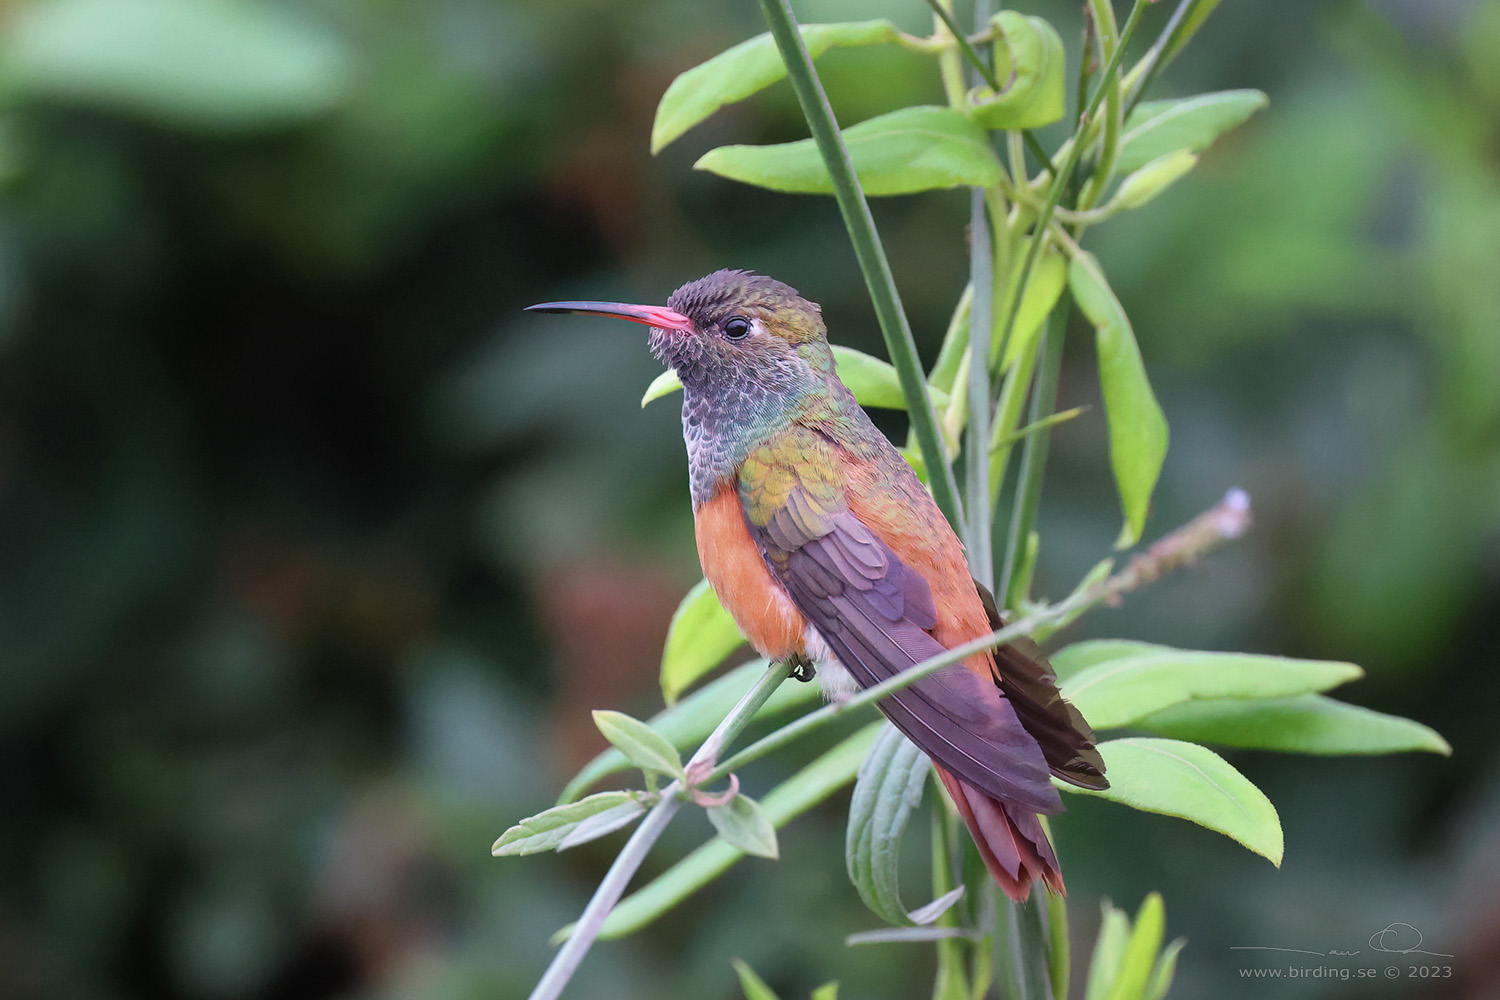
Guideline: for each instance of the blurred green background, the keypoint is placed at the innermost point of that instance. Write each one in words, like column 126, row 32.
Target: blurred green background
column 315, row 551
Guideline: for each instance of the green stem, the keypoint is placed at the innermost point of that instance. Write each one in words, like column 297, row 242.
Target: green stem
column 980, row 66
column 1157, row 57
column 979, row 537
column 570, row 956
column 1109, row 43
column 1033, row 454
column 870, row 253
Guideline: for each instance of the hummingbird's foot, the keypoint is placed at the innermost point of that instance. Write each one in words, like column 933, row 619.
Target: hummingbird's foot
column 802, row 668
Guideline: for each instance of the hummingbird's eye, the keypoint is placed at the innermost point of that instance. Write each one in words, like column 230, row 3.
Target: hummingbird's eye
column 736, row 327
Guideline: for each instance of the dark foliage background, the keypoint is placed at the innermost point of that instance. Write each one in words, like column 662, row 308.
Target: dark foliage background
column 315, row 551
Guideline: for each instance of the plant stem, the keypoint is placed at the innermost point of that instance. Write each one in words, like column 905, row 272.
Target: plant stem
column 1033, row 454
column 979, row 537
column 870, row 253
column 570, row 956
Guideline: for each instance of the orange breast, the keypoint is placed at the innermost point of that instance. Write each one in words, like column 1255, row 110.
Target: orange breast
column 733, row 565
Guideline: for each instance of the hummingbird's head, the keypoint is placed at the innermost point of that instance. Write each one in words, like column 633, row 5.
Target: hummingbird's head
column 732, row 335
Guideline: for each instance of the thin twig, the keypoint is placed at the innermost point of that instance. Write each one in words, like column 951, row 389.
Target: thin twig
column 570, row 956
column 1226, row 521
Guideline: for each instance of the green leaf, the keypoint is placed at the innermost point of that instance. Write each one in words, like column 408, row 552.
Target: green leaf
column 663, row 385
column 1121, row 691
column 874, row 382
column 546, row 830
column 1043, row 288
column 755, row 987
column 1029, row 62
column 1156, row 128
column 602, row 824
column 828, row 991
column 222, row 66
column 1080, row 655
column 1187, row 28
column 689, row 722
column 1140, row 187
column 888, row 788
column 1165, row 969
column 1139, row 957
column 1137, row 427
column 1109, row 948
column 905, row 151
column 646, row 748
column 805, row 789
column 743, row 824
column 1306, row 724
column 1190, row 782
column 750, row 66
column 702, row 633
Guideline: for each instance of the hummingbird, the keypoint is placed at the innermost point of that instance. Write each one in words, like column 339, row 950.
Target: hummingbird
column 829, row 552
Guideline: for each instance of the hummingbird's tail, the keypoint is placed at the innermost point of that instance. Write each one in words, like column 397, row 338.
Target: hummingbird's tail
column 1010, row 839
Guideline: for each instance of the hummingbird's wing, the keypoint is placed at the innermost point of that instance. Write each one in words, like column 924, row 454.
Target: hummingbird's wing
column 874, row 612
column 1030, row 684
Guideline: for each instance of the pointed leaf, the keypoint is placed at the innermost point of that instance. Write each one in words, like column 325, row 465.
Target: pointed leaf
column 914, row 149
column 828, row 991
column 702, row 633
column 1156, row 128
column 874, row 382
column 603, row 824
column 1310, row 723
column 1137, row 427
column 1079, row 655
column 805, row 789
column 646, row 748
column 927, row 914
column 1139, row 957
column 750, row 66
column 1166, row 968
column 1121, row 691
column 1109, row 948
column 755, row 987
column 546, row 830
column 689, row 722
column 663, row 385
column 1192, row 782
column 1043, row 288
column 1140, row 187
column 743, row 824
column 889, row 787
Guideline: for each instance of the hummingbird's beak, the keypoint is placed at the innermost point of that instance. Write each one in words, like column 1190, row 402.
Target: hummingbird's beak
column 656, row 316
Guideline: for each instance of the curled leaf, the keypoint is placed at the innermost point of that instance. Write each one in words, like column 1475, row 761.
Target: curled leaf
column 1029, row 65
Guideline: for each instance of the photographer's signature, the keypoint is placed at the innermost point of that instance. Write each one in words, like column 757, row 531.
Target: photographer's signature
column 1395, row 938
